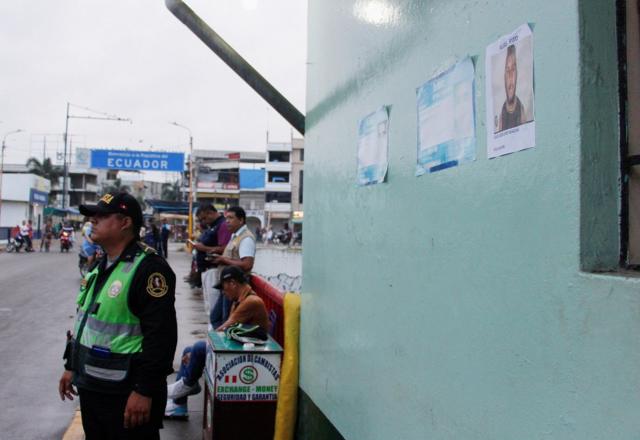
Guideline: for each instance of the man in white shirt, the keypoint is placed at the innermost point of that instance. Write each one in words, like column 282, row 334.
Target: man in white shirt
column 240, row 251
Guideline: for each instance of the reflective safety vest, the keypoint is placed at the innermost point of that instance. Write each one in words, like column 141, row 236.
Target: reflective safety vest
column 107, row 332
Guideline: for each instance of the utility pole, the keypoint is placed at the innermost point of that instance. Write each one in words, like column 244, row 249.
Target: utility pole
column 104, row 117
column 190, row 218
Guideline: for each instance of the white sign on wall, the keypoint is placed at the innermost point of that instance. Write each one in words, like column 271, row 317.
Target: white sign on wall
column 247, row 377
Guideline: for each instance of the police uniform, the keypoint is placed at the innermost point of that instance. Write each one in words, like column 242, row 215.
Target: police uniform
column 125, row 340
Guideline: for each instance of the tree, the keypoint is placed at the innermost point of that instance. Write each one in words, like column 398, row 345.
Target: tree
column 45, row 169
column 171, row 191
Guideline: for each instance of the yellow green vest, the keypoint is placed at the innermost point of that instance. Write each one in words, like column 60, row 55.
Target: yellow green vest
column 112, row 326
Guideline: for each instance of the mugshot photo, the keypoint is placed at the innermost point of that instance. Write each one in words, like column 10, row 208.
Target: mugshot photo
column 512, row 84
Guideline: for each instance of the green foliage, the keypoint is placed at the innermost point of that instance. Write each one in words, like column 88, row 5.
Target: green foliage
column 45, row 169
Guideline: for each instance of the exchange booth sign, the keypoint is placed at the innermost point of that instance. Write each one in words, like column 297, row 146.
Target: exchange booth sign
column 137, row 160
column 247, row 377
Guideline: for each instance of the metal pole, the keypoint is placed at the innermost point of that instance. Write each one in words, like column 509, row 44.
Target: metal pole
column 64, row 161
column 190, row 186
column 190, row 217
column 239, row 65
column 1, row 172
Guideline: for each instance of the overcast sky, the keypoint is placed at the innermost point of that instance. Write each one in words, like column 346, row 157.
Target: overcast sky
column 134, row 59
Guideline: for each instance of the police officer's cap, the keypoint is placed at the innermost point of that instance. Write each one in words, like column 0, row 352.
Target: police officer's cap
column 121, row 203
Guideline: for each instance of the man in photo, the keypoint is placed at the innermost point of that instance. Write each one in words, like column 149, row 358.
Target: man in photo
column 512, row 113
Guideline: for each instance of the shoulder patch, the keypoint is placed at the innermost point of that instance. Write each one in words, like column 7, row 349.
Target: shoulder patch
column 146, row 248
column 157, row 285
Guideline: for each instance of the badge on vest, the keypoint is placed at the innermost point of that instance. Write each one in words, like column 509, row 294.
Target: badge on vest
column 115, row 289
column 157, row 285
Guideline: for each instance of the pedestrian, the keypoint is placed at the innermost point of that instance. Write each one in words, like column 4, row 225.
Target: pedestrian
column 47, row 236
column 164, row 236
column 152, row 236
column 213, row 240
column 240, row 251
column 125, row 331
column 25, row 233
column 269, row 235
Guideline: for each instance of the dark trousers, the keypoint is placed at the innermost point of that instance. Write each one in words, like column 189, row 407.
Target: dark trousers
column 165, row 247
column 103, row 417
column 220, row 311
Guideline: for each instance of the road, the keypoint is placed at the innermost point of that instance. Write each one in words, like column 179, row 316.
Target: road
column 37, row 306
column 37, row 293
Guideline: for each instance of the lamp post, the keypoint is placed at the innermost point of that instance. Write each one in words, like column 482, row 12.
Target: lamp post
column 4, row 139
column 190, row 218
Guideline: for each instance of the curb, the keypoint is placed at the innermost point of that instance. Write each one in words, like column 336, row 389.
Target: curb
column 75, row 431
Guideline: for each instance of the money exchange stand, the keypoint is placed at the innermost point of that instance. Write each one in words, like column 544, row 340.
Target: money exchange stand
column 241, row 389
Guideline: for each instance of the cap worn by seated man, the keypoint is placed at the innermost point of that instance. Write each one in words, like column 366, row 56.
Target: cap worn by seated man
column 247, row 308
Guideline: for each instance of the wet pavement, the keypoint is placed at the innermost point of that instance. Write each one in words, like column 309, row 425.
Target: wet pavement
column 37, row 296
column 192, row 326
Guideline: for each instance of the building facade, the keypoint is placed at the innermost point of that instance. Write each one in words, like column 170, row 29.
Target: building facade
column 24, row 197
column 488, row 300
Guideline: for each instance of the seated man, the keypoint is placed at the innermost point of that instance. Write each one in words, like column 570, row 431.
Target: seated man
column 247, row 308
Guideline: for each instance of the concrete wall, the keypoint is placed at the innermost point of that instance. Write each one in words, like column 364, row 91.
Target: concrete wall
column 464, row 304
column 13, row 213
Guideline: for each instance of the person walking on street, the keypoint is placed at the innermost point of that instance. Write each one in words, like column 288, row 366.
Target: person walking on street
column 165, row 231
column 125, row 330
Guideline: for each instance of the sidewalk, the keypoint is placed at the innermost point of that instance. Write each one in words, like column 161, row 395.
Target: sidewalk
column 192, row 326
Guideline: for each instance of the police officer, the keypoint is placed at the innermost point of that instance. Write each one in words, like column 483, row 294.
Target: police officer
column 125, row 332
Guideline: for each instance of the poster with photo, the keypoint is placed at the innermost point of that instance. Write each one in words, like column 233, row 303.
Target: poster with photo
column 446, row 119
column 373, row 147
column 511, row 122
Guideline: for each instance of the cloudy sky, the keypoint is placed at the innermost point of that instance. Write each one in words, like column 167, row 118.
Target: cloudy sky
column 134, row 59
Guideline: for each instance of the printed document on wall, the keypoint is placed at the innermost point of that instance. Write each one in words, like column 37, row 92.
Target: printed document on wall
column 373, row 147
column 446, row 119
column 511, row 124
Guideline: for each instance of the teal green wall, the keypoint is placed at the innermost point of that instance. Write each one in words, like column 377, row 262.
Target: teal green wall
column 459, row 305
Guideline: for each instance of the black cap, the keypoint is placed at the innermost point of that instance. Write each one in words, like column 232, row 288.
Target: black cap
column 121, row 203
column 230, row 273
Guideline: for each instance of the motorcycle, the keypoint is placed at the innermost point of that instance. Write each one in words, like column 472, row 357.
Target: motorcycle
column 65, row 241
column 15, row 244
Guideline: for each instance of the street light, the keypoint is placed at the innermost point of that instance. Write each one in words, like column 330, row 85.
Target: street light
column 4, row 139
column 190, row 221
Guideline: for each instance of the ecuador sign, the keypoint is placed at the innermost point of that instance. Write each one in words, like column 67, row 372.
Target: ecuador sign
column 137, row 160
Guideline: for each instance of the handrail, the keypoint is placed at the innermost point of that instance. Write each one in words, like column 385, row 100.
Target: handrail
column 238, row 64
column 273, row 301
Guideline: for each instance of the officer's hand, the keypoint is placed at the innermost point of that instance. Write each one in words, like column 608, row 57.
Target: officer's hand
column 65, row 387
column 137, row 411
